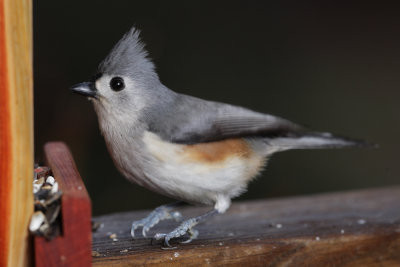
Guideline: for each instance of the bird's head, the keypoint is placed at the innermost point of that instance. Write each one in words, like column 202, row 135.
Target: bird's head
column 125, row 79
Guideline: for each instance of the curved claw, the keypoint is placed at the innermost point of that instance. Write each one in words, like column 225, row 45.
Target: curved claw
column 178, row 232
column 166, row 241
column 167, row 244
column 193, row 235
column 145, row 230
column 134, row 227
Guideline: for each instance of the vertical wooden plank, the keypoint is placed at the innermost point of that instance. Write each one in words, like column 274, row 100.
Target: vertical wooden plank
column 5, row 147
column 16, row 130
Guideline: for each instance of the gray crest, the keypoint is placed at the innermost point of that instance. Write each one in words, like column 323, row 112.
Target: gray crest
column 128, row 57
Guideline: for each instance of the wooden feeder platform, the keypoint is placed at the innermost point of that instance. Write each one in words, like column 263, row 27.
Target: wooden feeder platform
column 358, row 228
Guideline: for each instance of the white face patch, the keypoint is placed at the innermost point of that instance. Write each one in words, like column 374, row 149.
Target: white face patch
column 123, row 105
column 104, row 89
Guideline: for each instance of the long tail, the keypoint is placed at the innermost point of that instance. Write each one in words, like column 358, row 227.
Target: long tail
column 314, row 140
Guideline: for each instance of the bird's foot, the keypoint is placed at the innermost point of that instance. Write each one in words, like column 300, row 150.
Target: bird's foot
column 185, row 228
column 161, row 213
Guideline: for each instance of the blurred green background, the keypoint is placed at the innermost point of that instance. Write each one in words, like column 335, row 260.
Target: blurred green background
column 331, row 66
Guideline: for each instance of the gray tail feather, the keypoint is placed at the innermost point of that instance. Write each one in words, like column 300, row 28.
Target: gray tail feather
column 315, row 140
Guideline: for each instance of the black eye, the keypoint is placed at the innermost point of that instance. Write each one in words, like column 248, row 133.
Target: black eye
column 117, row 84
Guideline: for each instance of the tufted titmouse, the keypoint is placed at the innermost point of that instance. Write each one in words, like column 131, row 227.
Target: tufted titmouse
column 186, row 148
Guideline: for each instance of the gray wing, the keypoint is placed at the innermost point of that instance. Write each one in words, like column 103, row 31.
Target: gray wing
column 189, row 120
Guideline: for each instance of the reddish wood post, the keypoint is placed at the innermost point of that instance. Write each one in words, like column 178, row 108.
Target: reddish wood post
column 73, row 248
column 16, row 131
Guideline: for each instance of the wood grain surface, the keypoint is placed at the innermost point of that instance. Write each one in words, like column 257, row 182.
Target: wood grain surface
column 73, row 248
column 16, row 131
column 359, row 228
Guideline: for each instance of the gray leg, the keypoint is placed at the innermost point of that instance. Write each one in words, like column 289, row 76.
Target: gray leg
column 161, row 213
column 184, row 228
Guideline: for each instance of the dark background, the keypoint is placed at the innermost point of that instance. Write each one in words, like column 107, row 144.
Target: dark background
column 332, row 66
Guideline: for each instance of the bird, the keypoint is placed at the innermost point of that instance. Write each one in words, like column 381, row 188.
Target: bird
column 193, row 150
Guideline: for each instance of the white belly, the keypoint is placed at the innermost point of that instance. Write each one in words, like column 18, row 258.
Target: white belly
column 192, row 177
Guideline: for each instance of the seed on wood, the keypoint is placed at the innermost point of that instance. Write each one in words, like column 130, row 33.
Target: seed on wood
column 53, row 198
column 46, row 187
column 44, row 228
column 52, row 213
column 36, row 188
column 50, row 180
column 37, row 220
column 40, row 205
column 42, row 194
column 42, row 171
column 113, row 236
column 361, row 221
column 39, row 181
column 95, row 254
column 95, row 226
column 54, row 189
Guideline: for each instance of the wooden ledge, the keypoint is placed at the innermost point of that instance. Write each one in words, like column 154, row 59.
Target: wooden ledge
column 72, row 248
column 358, row 228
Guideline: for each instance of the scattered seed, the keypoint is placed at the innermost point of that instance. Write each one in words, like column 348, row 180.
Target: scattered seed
column 39, row 181
column 42, row 171
column 361, row 221
column 52, row 213
column 54, row 189
column 50, row 180
column 53, row 198
column 45, row 227
column 176, row 254
column 95, row 254
column 42, row 194
column 95, row 226
column 37, row 220
column 46, row 187
column 39, row 205
column 46, row 201
column 113, row 236
column 36, row 188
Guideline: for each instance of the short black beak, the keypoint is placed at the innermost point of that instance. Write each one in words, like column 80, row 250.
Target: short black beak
column 85, row 89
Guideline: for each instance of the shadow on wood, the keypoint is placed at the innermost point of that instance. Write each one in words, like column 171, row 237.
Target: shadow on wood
column 360, row 228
